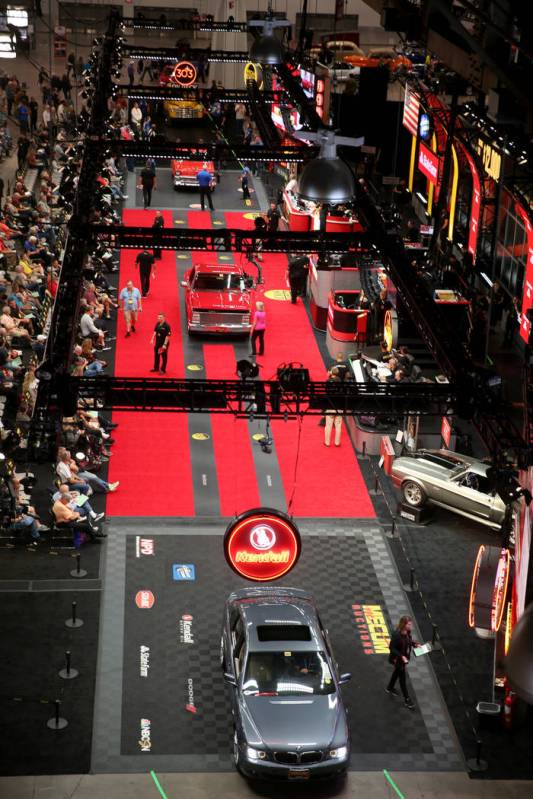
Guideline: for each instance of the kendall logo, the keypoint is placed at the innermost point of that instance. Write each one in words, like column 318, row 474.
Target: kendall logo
column 144, row 655
column 262, row 537
column 144, row 600
column 145, row 741
column 190, row 707
column 144, row 546
column 186, row 633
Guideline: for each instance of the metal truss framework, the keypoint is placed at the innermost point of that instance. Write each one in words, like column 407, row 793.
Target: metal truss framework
column 265, row 398
column 170, row 54
column 187, row 25
column 173, row 92
column 230, row 239
column 190, row 151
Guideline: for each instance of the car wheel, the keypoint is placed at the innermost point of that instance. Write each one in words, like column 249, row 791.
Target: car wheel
column 413, row 494
column 236, row 751
column 222, row 652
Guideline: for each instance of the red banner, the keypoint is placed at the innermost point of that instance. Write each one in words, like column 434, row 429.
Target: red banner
column 527, row 291
column 428, row 163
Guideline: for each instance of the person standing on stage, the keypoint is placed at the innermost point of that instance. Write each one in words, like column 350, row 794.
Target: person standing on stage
column 273, row 217
column 145, row 261
column 245, row 186
column 160, row 339
column 258, row 328
column 205, row 178
column 148, row 184
column 297, row 276
column 400, row 647
column 333, row 417
column 157, row 226
column 131, row 304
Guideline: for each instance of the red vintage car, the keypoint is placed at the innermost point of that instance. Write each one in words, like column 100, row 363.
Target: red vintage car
column 184, row 172
column 218, row 299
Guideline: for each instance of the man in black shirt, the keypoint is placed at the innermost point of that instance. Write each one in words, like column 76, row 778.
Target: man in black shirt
column 147, row 184
column 145, row 261
column 273, row 218
column 297, row 274
column 160, row 339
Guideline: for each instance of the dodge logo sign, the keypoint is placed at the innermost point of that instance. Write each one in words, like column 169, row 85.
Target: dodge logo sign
column 262, row 544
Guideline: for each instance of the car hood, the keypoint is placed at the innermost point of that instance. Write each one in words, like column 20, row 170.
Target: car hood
column 292, row 721
column 220, row 300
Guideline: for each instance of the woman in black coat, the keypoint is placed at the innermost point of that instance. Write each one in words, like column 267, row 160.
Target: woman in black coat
column 400, row 647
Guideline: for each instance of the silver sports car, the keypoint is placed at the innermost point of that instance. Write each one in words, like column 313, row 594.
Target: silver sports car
column 288, row 715
column 451, row 480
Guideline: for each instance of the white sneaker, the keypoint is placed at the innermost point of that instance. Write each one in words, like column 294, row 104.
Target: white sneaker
column 114, row 486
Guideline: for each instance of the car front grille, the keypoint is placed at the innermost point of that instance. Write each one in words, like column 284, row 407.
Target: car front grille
column 186, row 180
column 209, row 318
column 297, row 758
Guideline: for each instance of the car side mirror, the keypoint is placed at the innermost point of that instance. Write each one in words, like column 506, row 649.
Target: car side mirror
column 344, row 678
column 229, row 679
column 183, row 283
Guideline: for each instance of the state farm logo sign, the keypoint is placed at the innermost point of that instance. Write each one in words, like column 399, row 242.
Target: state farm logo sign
column 428, row 164
column 262, row 544
column 144, row 599
column 144, row 660
column 185, row 629
column 184, row 74
column 145, row 741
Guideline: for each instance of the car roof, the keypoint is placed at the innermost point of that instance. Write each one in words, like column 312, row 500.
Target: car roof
column 275, row 612
column 226, row 269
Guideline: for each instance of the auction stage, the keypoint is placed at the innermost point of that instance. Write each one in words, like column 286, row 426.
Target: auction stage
column 161, row 702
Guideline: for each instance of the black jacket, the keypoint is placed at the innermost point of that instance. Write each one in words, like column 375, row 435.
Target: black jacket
column 400, row 646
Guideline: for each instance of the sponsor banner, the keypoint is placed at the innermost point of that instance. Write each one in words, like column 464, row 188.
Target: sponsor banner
column 411, row 110
column 190, row 706
column 527, row 290
column 428, row 164
column 183, row 571
column 144, row 660
column 144, row 599
column 144, row 546
column 145, row 741
column 372, row 627
column 186, row 629
column 446, row 430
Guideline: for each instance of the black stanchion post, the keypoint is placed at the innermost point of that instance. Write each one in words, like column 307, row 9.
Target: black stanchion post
column 477, row 763
column 391, row 534
column 411, row 585
column 68, row 673
column 78, row 571
column 74, row 621
column 435, row 642
column 56, row 722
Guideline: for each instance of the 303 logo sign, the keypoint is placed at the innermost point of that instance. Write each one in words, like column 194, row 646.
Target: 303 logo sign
column 184, row 74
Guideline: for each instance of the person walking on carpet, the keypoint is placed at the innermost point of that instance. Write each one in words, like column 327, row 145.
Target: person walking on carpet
column 333, row 417
column 147, row 184
column 400, row 647
column 145, row 261
column 131, row 304
column 157, row 226
column 160, row 340
column 258, row 328
column 205, row 179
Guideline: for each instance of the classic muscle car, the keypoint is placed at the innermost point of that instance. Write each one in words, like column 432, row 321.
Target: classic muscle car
column 218, row 299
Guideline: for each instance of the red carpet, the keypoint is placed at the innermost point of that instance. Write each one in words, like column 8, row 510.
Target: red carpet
column 151, row 457
column 329, row 481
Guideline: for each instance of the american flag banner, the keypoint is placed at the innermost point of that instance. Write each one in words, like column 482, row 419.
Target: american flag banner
column 411, row 109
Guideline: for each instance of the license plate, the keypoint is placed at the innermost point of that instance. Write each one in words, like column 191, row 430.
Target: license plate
column 299, row 774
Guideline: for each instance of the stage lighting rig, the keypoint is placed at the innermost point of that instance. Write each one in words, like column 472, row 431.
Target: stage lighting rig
column 327, row 179
column 267, row 49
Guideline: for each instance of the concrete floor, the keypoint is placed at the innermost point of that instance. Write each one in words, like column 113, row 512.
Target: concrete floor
column 367, row 785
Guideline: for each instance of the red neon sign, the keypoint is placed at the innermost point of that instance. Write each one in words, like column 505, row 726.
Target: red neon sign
column 489, row 588
column 184, row 74
column 262, row 544
column 428, row 164
column 446, row 430
column 527, row 291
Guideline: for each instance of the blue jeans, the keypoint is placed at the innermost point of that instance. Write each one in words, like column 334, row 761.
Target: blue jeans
column 94, row 368
column 24, row 525
column 83, row 488
column 89, row 477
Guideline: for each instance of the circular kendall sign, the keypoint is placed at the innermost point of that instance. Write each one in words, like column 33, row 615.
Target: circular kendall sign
column 262, row 544
column 184, row 74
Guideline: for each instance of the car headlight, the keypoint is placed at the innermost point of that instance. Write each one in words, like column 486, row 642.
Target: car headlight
column 255, row 754
column 339, row 753
column 177, row 173
column 195, row 316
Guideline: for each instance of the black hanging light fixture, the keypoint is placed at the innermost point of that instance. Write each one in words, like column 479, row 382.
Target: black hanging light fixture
column 267, row 49
column 327, row 178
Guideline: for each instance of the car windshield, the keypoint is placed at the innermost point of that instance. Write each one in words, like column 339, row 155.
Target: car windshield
column 287, row 674
column 219, row 282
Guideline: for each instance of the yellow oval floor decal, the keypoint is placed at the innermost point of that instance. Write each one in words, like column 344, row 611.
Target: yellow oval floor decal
column 278, row 294
column 194, row 367
column 200, row 436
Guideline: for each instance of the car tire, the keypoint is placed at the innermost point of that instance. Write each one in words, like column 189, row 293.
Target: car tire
column 236, row 752
column 222, row 652
column 413, row 494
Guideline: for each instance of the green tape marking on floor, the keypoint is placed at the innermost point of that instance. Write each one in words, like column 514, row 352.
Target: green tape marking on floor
column 393, row 784
column 158, row 784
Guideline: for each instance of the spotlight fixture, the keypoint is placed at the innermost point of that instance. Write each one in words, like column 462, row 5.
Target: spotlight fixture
column 327, row 179
column 267, row 49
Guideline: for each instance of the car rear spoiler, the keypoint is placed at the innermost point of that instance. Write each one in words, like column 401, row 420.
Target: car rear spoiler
column 270, row 591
